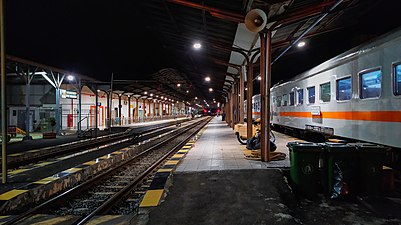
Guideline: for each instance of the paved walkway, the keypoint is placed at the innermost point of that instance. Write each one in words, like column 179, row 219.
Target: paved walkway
column 218, row 149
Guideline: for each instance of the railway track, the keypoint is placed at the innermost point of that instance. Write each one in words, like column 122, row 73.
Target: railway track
column 130, row 136
column 116, row 189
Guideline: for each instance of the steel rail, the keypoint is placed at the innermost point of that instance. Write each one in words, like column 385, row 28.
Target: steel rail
column 89, row 183
column 126, row 190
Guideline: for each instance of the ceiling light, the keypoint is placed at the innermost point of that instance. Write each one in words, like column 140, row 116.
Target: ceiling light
column 210, row 89
column 70, row 77
column 259, row 78
column 145, row 92
column 207, row 78
column 178, row 85
column 197, row 45
column 187, row 91
column 301, row 44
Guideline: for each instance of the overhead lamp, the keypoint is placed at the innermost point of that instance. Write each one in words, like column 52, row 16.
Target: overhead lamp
column 207, row 78
column 246, row 89
column 187, row 91
column 301, row 44
column 197, row 45
column 196, row 97
column 145, row 92
column 178, row 85
column 70, row 77
column 210, row 89
column 259, row 78
column 151, row 94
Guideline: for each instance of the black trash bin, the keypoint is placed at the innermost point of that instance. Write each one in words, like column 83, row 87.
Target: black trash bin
column 341, row 178
column 371, row 159
column 305, row 161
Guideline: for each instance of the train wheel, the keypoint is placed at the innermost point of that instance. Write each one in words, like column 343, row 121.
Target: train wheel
column 241, row 140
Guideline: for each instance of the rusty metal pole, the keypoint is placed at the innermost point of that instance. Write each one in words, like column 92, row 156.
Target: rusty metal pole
column 249, row 85
column 3, row 99
column 265, row 73
column 242, row 93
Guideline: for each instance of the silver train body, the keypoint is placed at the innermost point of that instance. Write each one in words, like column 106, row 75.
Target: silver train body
column 356, row 95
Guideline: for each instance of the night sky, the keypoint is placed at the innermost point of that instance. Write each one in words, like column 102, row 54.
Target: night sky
column 97, row 38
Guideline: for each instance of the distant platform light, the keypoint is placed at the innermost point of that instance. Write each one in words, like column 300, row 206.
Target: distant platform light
column 145, row 92
column 151, row 94
column 259, row 78
column 187, row 91
column 196, row 97
column 207, row 78
column 210, row 89
column 301, row 44
column 178, row 85
column 70, row 77
column 197, row 45
column 246, row 89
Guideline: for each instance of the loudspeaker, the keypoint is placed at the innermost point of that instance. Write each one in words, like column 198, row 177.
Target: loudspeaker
column 255, row 20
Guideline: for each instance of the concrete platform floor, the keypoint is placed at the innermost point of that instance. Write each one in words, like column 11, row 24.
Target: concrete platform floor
column 215, row 184
column 219, row 149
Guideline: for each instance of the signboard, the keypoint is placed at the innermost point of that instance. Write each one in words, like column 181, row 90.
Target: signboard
column 68, row 94
column 315, row 110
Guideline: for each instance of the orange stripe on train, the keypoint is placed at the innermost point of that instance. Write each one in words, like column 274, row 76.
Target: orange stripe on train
column 380, row 116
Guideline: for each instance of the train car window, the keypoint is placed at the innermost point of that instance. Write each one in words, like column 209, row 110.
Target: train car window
column 285, row 99
column 292, row 98
column 325, row 92
column 370, row 84
column 344, row 89
column 278, row 101
column 300, row 94
column 311, row 95
column 397, row 79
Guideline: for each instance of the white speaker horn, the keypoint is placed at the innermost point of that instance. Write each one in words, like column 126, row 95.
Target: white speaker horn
column 255, row 20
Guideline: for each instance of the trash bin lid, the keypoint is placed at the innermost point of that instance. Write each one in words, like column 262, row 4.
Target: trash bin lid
column 368, row 147
column 339, row 147
column 304, row 146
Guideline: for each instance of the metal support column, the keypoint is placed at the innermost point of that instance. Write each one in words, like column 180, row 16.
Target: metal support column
column 29, row 77
column 3, row 99
column 79, row 125
column 57, row 109
column 129, row 109
column 96, row 109
column 119, row 109
column 241, row 93
column 108, row 94
column 265, row 73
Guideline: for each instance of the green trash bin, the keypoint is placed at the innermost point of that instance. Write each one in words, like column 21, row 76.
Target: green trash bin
column 371, row 159
column 341, row 175
column 305, row 161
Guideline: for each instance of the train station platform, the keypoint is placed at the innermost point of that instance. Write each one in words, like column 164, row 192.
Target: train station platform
column 215, row 183
column 218, row 149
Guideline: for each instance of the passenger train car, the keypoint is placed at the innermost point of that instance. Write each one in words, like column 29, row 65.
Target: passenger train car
column 356, row 95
